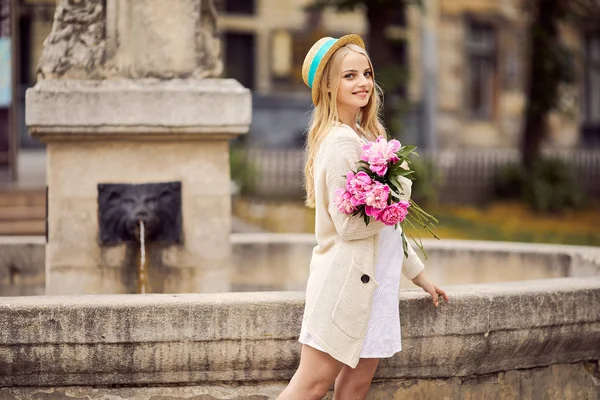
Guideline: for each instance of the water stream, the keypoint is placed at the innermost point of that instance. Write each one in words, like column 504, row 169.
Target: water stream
column 142, row 279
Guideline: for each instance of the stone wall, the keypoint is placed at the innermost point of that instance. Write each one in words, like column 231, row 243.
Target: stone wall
column 280, row 261
column 536, row 339
column 267, row 261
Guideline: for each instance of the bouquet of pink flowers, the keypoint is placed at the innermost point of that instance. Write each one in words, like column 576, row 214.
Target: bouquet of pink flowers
column 375, row 190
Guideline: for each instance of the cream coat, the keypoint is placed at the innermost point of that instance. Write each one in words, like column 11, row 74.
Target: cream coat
column 341, row 283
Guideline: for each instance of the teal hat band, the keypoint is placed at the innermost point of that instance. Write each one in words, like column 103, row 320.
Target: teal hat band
column 317, row 60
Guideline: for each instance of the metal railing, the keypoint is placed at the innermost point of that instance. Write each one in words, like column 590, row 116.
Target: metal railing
column 464, row 175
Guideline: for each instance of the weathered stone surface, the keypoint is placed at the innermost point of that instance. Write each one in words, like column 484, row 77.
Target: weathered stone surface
column 76, row 46
column 96, row 39
column 561, row 381
column 74, row 172
column 143, row 108
column 243, row 337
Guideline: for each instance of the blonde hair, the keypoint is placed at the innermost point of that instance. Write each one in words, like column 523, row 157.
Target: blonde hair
column 325, row 114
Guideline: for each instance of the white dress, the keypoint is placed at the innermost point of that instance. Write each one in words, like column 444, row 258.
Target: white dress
column 383, row 333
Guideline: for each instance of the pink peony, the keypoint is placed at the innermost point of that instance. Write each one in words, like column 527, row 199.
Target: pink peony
column 378, row 195
column 342, row 201
column 379, row 166
column 358, row 186
column 379, row 153
column 394, row 213
column 373, row 212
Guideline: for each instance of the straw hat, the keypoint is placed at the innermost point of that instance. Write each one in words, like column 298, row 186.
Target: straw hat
column 317, row 57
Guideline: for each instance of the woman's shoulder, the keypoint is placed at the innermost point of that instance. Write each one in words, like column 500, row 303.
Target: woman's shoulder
column 341, row 134
column 341, row 146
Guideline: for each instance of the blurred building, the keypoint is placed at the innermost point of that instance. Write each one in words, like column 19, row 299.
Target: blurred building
column 475, row 94
column 34, row 22
column 467, row 62
column 265, row 42
column 482, row 62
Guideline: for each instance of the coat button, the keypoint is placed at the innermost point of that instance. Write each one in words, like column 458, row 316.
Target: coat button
column 364, row 278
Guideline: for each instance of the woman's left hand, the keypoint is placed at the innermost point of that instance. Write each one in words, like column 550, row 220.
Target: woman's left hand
column 421, row 281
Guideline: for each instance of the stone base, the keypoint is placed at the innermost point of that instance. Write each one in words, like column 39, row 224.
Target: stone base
column 135, row 132
column 73, row 248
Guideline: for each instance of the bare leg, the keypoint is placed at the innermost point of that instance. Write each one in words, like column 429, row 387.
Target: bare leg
column 314, row 376
column 353, row 384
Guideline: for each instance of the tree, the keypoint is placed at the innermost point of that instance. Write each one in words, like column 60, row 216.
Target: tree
column 391, row 72
column 551, row 64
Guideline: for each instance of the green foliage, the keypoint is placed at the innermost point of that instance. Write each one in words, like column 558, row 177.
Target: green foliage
column 509, row 182
column 426, row 182
column 549, row 186
column 557, row 68
column 392, row 77
column 243, row 172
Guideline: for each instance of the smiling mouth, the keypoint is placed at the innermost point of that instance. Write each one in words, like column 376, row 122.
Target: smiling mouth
column 361, row 92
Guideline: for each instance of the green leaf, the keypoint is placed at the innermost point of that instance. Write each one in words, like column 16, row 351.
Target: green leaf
column 366, row 219
column 404, row 245
column 405, row 151
column 404, row 172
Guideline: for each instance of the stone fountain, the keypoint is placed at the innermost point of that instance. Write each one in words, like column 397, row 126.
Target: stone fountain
column 137, row 125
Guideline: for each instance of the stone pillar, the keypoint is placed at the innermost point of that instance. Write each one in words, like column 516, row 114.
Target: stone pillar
column 130, row 111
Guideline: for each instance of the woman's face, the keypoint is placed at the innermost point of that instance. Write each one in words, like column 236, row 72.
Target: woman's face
column 356, row 82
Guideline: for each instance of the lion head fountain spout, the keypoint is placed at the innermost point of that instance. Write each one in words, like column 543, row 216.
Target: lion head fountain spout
column 123, row 207
column 138, row 214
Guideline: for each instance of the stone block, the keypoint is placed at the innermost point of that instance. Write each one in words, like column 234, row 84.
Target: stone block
column 76, row 167
column 192, row 108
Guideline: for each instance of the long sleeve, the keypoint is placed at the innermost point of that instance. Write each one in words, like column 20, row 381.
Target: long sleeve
column 338, row 159
column 413, row 264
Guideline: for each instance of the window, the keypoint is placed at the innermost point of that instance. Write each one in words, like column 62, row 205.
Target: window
column 236, row 6
column 398, row 14
column 481, row 55
column 281, row 54
column 239, row 58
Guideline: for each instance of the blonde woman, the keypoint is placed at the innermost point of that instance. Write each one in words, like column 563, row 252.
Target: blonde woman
column 351, row 317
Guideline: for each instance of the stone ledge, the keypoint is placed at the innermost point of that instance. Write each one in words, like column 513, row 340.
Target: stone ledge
column 147, row 107
column 168, row 339
column 564, row 381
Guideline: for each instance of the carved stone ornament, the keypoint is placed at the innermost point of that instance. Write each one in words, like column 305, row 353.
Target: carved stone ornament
column 76, row 43
column 208, row 43
column 103, row 39
column 122, row 206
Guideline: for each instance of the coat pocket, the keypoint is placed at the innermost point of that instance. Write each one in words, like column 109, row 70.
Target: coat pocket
column 353, row 307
